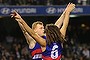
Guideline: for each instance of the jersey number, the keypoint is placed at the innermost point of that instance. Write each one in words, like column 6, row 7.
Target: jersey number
column 54, row 52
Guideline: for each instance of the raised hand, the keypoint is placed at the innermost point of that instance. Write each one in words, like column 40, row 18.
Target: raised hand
column 70, row 7
column 16, row 16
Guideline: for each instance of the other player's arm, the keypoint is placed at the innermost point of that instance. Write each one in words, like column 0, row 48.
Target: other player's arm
column 66, row 19
column 59, row 22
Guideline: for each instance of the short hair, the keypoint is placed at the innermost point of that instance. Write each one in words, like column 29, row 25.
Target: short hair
column 35, row 24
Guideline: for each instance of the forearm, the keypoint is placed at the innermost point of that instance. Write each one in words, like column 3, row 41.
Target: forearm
column 70, row 8
column 59, row 22
column 26, row 27
column 27, row 36
column 22, row 28
column 65, row 24
column 66, row 20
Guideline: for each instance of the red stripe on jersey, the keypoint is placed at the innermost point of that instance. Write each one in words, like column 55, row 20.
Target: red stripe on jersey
column 36, row 52
column 49, row 58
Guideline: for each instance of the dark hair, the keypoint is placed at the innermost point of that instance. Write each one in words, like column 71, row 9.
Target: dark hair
column 53, row 34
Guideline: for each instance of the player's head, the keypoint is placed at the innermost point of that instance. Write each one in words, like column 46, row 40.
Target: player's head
column 53, row 34
column 38, row 28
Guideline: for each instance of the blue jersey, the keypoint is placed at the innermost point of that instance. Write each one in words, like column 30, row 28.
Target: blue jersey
column 36, row 52
column 52, row 52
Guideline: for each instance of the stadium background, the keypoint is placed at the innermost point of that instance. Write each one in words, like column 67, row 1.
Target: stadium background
column 13, row 45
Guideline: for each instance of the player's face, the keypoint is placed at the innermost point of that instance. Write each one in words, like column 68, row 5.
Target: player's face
column 39, row 29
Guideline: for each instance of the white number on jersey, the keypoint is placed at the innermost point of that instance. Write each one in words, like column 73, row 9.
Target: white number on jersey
column 54, row 52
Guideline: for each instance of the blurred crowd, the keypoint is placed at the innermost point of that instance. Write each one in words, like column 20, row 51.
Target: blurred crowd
column 14, row 49
column 43, row 2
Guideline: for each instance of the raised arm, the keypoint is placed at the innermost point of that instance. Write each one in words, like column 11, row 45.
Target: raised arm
column 31, row 42
column 38, row 38
column 59, row 22
column 66, row 19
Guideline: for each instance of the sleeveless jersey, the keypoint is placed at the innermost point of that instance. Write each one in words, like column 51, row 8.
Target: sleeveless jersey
column 52, row 52
column 36, row 52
